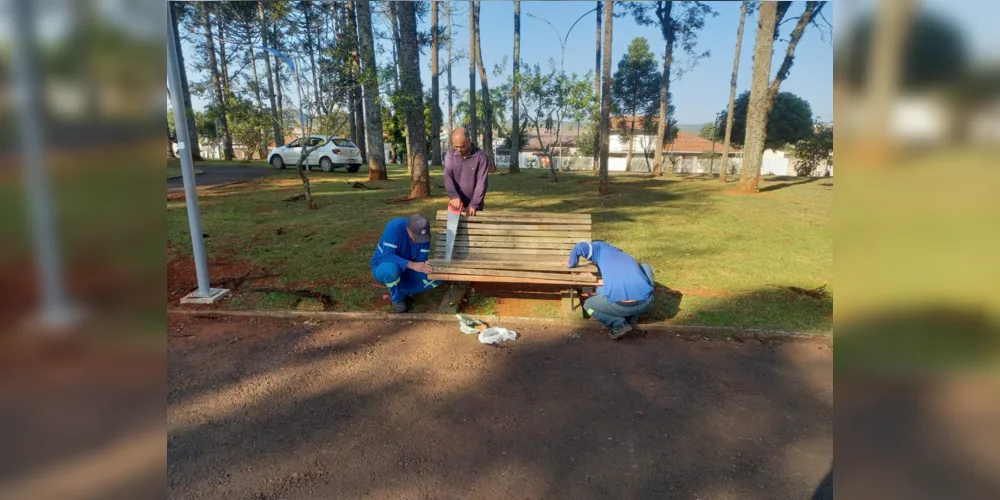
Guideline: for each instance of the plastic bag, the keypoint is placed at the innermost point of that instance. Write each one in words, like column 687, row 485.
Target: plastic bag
column 468, row 325
column 496, row 334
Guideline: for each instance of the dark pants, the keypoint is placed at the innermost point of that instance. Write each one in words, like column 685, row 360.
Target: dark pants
column 615, row 314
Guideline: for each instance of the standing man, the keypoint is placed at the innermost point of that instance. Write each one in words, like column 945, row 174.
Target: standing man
column 466, row 173
column 400, row 260
column 627, row 290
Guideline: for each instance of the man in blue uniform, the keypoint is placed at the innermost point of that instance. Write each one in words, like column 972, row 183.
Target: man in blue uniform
column 627, row 290
column 400, row 260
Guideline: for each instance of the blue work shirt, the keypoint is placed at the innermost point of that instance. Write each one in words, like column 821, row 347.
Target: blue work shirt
column 396, row 246
column 623, row 278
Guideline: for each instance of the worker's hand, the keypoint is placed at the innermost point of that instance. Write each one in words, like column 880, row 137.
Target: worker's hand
column 472, row 210
column 420, row 267
column 455, row 204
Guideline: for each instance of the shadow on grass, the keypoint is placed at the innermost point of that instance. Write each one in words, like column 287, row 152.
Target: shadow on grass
column 397, row 410
column 797, row 182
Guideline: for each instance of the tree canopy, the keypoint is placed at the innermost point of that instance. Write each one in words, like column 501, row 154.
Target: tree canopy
column 790, row 121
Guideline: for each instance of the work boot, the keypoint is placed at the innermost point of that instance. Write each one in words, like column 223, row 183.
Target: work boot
column 409, row 302
column 619, row 331
column 399, row 307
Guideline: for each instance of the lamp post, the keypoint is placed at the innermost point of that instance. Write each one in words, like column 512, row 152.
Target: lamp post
column 562, row 40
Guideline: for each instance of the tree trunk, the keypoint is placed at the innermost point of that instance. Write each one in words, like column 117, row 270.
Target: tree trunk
column 667, row 28
column 473, row 123
column 195, row 147
column 275, row 121
column 631, row 146
column 487, row 106
column 409, row 75
column 759, row 108
column 277, row 76
column 359, row 111
column 220, row 101
column 892, row 25
column 603, row 187
column 451, row 109
column 224, row 61
column 393, row 16
column 435, row 137
column 369, row 78
column 311, row 48
column 515, row 140
column 597, row 92
column 732, row 93
column 753, row 147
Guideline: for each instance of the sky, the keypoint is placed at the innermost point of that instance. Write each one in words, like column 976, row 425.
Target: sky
column 701, row 93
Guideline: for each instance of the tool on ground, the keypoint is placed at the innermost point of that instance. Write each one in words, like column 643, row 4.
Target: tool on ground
column 470, row 326
column 451, row 228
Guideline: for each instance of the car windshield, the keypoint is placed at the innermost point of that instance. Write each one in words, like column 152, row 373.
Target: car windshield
column 344, row 143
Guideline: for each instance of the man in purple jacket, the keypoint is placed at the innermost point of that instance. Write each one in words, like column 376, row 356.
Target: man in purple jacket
column 465, row 173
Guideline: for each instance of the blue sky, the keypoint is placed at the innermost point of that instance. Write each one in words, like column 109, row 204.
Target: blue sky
column 698, row 96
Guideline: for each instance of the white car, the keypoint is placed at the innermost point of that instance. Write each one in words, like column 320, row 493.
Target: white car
column 333, row 152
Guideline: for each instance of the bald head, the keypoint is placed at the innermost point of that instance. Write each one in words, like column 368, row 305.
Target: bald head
column 461, row 141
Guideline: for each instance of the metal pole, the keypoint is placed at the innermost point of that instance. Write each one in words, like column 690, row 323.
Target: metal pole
column 187, row 165
column 55, row 308
column 711, row 165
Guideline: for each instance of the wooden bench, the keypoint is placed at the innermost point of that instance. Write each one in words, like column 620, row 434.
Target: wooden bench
column 515, row 247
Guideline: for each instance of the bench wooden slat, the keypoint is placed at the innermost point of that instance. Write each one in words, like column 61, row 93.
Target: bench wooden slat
column 576, row 278
column 522, row 227
column 518, row 220
column 582, row 235
column 582, row 267
column 512, row 239
column 508, row 213
column 504, row 279
column 461, row 243
column 460, row 251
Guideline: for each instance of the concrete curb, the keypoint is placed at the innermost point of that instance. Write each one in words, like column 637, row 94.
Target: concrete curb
column 687, row 331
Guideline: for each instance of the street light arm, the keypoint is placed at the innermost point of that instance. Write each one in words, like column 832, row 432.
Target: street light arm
column 578, row 20
column 279, row 54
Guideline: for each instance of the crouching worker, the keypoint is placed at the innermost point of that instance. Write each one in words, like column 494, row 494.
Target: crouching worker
column 400, row 260
column 627, row 290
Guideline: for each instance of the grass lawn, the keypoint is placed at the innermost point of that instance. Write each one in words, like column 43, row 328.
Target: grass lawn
column 730, row 256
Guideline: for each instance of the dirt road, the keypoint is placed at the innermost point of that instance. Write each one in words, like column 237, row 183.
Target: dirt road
column 262, row 409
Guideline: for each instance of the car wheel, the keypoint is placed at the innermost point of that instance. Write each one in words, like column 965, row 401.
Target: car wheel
column 353, row 168
column 325, row 164
column 277, row 162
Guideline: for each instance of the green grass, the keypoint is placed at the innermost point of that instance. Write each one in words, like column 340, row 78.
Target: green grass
column 175, row 162
column 730, row 255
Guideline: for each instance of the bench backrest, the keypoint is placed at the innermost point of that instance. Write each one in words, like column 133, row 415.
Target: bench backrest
column 513, row 236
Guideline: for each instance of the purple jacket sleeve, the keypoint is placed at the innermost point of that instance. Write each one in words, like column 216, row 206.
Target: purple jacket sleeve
column 449, row 177
column 482, row 179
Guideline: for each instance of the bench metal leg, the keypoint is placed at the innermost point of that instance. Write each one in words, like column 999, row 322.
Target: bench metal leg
column 452, row 300
column 572, row 306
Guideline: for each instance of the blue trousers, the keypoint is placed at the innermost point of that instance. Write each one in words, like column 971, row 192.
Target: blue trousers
column 402, row 282
column 614, row 314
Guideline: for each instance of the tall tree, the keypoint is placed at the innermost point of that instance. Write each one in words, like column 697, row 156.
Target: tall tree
column 359, row 111
column 790, row 121
column 732, row 91
column 179, row 9
column 473, row 122
column 487, row 113
column 763, row 90
column 603, row 188
column 682, row 22
column 220, row 100
column 275, row 121
column 412, row 100
column 515, row 141
column 394, row 19
column 550, row 97
column 369, row 78
column 597, row 90
column 634, row 91
column 451, row 110
column 435, row 136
